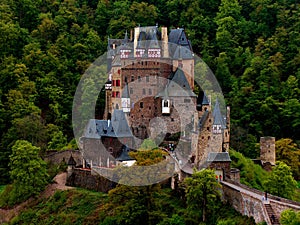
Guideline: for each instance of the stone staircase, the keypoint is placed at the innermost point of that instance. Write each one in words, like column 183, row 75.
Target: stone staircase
column 270, row 213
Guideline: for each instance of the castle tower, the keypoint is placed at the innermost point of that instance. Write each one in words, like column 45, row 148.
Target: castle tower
column 218, row 127
column 267, row 150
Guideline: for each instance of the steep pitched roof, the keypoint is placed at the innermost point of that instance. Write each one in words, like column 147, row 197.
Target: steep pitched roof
column 178, row 86
column 218, row 157
column 124, row 154
column 182, row 52
column 117, row 127
column 218, row 118
column 125, row 92
column 180, row 79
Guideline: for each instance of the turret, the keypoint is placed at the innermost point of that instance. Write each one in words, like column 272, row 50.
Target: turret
column 219, row 122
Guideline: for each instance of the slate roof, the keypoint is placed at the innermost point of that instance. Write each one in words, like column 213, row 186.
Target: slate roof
column 117, row 127
column 124, row 154
column 203, row 119
column 179, row 78
column 218, row 118
column 178, row 86
column 125, row 93
column 218, row 157
column 119, row 124
column 202, row 100
column 182, row 52
column 117, row 61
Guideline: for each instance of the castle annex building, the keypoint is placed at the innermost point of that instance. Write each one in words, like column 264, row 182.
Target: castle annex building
column 150, row 93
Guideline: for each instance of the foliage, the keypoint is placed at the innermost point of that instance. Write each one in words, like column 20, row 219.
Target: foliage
column 289, row 217
column 289, row 153
column 148, row 157
column 250, row 174
column 280, row 181
column 201, row 193
column 148, row 144
column 68, row 207
column 28, row 172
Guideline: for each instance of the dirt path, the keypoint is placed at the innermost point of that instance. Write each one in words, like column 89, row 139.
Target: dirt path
column 59, row 184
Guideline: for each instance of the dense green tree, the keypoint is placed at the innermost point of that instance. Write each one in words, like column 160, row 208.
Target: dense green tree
column 280, row 181
column 289, row 153
column 201, row 194
column 289, row 217
column 28, row 172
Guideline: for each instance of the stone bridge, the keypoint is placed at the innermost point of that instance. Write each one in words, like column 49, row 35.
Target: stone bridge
column 250, row 202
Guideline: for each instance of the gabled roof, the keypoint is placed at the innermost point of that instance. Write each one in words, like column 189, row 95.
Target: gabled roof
column 117, row 127
column 217, row 116
column 182, row 52
column 178, row 86
column 218, row 157
column 180, row 79
column 119, row 124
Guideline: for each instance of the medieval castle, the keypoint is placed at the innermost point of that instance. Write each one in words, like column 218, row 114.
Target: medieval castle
column 150, row 94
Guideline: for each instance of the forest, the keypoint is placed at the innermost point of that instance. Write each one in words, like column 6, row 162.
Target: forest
column 251, row 46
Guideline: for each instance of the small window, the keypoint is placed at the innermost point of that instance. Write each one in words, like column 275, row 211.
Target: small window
column 166, row 103
column 118, row 83
column 125, row 79
column 149, row 107
column 118, row 94
column 150, row 91
column 141, row 105
column 131, row 91
column 147, row 79
column 144, row 91
column 187, row 100
column 172, row 119
column 132, row 78
column 139, row 78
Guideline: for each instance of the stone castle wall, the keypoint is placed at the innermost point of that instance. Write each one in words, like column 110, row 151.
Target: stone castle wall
column 250, row 202
column 84, row 179
column 57, row 157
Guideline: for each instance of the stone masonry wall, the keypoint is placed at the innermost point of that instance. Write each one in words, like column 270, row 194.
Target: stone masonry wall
column 249, row 205
column 84, row 179
column 56, row 157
